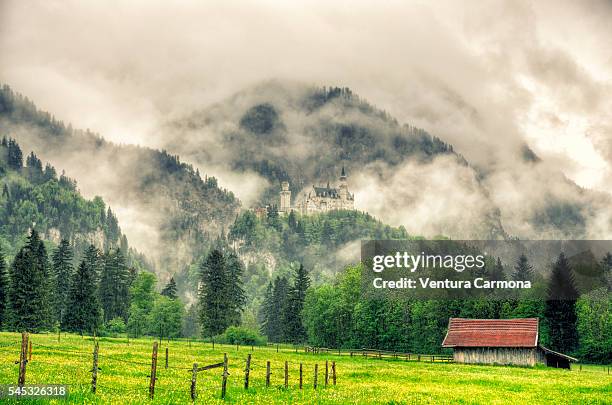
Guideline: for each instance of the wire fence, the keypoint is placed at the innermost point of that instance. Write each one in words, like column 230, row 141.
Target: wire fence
column 81, row 364
column 166, row 366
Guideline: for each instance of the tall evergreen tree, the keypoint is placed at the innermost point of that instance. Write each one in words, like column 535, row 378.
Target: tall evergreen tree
column 560, row 307
column 235, row 292
column 62, row 273
column 522, row 270
column 213, row 304
column 266, row 313
column 93, row 259
column 497, row 272
column 114, row 286
column 29, row 291
column 293, row 327
column 274, row 322
column 170, row 289
column 83, row 312
column 4, row 287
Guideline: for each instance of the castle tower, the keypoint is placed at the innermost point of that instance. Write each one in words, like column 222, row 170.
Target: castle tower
column 285, row 197
column 343, row 188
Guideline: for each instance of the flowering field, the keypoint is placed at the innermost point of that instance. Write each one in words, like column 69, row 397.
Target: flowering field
column 125, row 368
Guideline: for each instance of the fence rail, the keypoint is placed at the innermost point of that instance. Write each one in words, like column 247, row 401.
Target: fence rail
column 381, row 354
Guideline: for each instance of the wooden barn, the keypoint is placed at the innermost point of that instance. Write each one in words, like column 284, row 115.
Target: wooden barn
column 500, row 341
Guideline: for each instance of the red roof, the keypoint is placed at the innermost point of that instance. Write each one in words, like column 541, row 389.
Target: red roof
column 492, row 333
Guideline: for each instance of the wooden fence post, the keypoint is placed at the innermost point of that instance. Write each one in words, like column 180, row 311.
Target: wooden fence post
column 194, row 377
column 225, row 374
column 268, row 373
column 334, row 372
column 316, row 372
column 153, row 371
column 326, row 373
column 94, row 370
column 30, row 354
column 246, row 371
column 286, row 374
column 23, row 359
column 301, row 376
column 166, row 357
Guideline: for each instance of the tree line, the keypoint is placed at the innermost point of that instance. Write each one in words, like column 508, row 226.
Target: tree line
column 337, row 315
column 100, row 294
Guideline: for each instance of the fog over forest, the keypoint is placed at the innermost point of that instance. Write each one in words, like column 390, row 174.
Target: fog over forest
column 498, row 82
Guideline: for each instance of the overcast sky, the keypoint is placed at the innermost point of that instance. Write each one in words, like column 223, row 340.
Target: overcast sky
column 484, row 77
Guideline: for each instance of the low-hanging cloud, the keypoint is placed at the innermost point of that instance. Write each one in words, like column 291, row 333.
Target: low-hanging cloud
column 487, row 78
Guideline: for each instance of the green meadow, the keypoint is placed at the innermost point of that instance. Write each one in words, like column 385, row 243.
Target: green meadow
column 125, row 368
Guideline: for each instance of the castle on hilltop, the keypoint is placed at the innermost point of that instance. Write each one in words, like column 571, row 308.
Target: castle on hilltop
column 318, row 199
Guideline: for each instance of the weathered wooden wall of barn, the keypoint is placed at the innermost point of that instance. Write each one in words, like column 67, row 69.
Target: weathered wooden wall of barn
column 496, row 355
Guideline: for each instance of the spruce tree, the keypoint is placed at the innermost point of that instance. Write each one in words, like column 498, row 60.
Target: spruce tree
column 497, row 272
column 213, row 304
column 83, row 313
column 62, row 272
column 560, row 307
column 278, row 307
column 114, row 286
column 4, row 287
column 29, row 287
column 235, row 292
column 170, row 289
column 93, row 260
column 522, row 270
column 293, row 327
column 266, row 313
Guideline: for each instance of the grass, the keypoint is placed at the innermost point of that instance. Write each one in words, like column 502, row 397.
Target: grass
column 125, row 368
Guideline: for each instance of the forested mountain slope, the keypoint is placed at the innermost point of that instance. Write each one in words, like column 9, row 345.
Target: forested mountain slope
column 35, row 196
column 162, row 200
column 401, row 174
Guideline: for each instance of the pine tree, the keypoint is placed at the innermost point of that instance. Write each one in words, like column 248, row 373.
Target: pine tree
column 114, row 288
column 170, row 289
column 497, row 272
column 235, row 292
column 83, row 313
column 293, row 327
column 214, row 317
column 15, row 156
column 266, row 313
column 4, row 286
column 62, row 272
column 29, row 287
column 560, row 307
column 522, row 270
column 277, row 309
column 93, row 260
